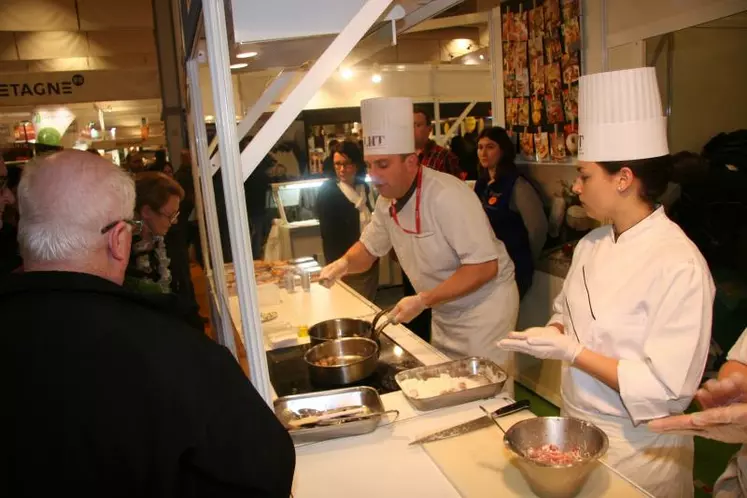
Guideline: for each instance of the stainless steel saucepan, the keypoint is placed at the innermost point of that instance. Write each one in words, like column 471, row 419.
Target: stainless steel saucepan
column 348, row 327
column 342, row 361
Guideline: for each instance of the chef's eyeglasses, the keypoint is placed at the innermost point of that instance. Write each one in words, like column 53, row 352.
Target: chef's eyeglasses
column 137, row 226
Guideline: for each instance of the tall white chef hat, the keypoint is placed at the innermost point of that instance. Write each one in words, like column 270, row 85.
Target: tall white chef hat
column 387, row 126
column 620, row 116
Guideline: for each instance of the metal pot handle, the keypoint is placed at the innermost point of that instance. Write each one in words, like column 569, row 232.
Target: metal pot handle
column 376, row 331
column 390, row 421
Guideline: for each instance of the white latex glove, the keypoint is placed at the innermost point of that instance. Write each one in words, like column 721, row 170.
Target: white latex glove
column 543, row 342
column 725, row 423
column 723, row 392
column 407, row 309
column 333, row 272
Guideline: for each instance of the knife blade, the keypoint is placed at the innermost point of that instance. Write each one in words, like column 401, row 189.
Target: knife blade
column 473, row 425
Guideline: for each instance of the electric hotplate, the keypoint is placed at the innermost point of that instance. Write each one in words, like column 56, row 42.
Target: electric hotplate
column 289, row 373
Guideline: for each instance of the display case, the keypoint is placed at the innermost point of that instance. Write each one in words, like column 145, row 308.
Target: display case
column 298, row 234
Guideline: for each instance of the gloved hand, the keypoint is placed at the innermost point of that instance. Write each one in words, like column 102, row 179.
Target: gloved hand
column 725, row 423
column 333, row 272
column 723, row 392
column 543, row 342
column 407, row 309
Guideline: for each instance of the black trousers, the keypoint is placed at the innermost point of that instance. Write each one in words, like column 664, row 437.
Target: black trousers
column 421, row 325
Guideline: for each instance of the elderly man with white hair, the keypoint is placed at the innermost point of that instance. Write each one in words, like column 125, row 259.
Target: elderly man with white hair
column 105, row 393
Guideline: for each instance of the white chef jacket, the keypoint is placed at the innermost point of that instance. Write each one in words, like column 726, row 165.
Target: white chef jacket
column 646, row 299
column 733, row 482
column 454, row 231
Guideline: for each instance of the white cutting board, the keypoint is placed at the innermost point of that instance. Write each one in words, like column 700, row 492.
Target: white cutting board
column 478, row 465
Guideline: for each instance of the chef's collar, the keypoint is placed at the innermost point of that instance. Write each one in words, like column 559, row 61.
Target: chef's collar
column 400, row 203
column 641, row 227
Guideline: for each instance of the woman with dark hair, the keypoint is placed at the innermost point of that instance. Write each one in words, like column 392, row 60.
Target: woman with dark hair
column 513, row 206
column 344, row 206
column 633, row 320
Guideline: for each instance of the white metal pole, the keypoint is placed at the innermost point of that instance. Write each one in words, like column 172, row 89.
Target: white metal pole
column 496, row 67
column 199, row 208
column 233, row 184
column 322, row 69
column 458, row 123
column 203, row 164
column 259, row 107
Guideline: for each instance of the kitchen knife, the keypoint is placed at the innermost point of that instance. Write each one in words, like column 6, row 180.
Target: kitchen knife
column 473, row 425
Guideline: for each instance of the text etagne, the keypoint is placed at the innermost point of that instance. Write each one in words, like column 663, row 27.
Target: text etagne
column 41, row 88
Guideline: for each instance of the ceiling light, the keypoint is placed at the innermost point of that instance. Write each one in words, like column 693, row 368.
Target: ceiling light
column 240, row 65
column 401, row 67
column 209, row 117
column 346, row 73
column 482, row 57
column 246, row 55
column 376, row 78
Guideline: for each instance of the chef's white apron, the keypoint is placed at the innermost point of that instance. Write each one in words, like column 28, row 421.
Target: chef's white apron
column 659, row 463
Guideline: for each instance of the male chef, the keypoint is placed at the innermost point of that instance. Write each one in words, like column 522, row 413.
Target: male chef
column 442, row 239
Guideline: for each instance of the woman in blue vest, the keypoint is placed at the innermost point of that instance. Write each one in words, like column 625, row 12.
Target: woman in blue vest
column 513, row 206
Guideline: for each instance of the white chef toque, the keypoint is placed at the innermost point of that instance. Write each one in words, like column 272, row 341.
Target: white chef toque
column 387, row 126
column 620, row 116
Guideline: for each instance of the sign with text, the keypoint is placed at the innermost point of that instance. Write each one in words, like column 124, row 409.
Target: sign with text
column 79, row 86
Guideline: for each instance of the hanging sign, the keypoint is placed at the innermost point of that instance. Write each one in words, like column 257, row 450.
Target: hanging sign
column 81, row 86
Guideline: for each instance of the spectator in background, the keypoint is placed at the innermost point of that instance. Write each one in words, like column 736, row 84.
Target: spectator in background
column 328, row 166
column 511, row 203
column 106, row 393
column 157, row 206
column 344, row 206
column 429, row 153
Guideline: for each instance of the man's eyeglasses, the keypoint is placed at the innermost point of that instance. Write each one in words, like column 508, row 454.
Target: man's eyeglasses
column 172, row 218
column 137, row 226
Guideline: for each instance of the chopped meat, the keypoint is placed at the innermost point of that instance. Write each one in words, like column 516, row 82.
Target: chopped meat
column 552, row 455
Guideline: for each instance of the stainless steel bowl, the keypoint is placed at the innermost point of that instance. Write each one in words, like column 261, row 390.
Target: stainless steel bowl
column 556, row 481
column 360, row 355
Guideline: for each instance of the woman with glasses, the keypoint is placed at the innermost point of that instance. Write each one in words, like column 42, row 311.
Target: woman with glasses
column 633, row 321
column 344, row 207
column 156, row 208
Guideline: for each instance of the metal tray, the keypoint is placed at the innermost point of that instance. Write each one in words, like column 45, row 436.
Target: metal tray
column 329, row 400
column 459, row 368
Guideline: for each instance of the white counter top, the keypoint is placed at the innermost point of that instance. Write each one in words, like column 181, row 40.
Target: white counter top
column 379, row 464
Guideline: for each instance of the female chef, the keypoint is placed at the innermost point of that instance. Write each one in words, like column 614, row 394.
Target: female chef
column 633, row 321
column 442, row 239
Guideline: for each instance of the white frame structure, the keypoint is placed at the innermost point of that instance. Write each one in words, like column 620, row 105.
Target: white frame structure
column 238, row 166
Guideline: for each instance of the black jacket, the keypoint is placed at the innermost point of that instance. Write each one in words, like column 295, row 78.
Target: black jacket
column 339, row 220
column 105, row 394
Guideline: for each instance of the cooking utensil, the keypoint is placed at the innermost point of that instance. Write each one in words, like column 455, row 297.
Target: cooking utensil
column 473, row 425
column 365, row 349
column 490, row 416
column 287, row 407
column 466, row 367
column 556, row 481
column 347, row 327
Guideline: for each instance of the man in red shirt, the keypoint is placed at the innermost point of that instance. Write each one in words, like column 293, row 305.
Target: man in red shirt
column 431, row 154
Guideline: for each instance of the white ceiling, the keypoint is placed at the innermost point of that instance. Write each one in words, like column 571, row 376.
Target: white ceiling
column 80, row 35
